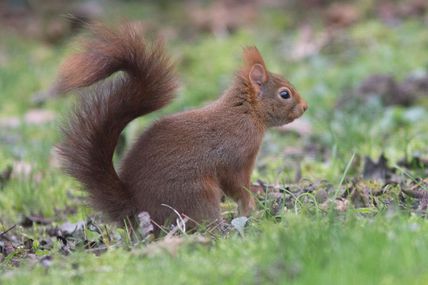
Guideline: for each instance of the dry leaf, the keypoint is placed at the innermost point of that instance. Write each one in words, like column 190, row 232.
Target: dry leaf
column 145, row 226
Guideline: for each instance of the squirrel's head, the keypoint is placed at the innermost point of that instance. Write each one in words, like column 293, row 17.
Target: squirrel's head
column 275, row 100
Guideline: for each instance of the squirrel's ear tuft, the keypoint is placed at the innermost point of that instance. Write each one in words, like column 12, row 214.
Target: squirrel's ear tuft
column 254, row 66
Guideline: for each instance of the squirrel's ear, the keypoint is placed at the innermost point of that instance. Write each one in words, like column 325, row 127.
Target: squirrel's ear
column 254, row 66
column 257, row 74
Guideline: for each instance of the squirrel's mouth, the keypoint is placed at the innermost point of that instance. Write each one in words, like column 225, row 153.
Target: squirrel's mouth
column 297, row 112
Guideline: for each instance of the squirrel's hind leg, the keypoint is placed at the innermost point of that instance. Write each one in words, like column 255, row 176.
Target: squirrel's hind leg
column 205, row 205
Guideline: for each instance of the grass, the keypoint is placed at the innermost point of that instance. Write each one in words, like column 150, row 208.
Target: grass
column 297, row 250
column 301, row 246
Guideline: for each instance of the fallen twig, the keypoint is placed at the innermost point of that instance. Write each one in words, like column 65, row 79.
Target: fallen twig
column 8, row 230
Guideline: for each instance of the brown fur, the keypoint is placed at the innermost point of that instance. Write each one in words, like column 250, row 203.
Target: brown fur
column 186, row 160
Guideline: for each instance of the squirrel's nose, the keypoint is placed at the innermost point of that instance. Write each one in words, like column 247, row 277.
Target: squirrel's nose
column 304, row 106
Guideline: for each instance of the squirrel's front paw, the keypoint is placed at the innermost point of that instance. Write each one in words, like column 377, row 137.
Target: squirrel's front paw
column 246, row 207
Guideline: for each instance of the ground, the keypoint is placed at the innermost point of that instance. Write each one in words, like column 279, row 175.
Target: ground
column 341, row 192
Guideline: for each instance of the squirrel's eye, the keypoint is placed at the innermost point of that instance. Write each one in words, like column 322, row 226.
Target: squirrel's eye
column 284, row 94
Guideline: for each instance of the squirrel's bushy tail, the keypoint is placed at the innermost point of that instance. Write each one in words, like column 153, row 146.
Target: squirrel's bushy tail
column 90, row 137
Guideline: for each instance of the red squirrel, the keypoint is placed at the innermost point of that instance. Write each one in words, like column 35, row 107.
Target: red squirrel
column 187, row 160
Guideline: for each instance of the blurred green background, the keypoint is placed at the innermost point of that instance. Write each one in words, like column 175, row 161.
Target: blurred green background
column 361, row 65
